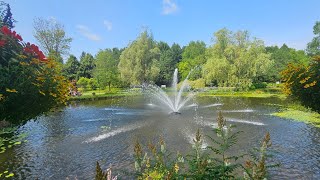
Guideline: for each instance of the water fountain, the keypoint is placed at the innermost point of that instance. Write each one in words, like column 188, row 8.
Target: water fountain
column 175, row 101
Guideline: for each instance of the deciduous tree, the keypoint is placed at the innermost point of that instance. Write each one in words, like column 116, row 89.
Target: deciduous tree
column 139, row 61
column 51, row 36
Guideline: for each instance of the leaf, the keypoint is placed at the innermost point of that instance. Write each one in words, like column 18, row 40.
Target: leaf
column 17, row 143
column 9, row 175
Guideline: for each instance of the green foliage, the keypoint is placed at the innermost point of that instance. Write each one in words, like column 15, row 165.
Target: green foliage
column 51, row 36
column 235, row 60
column 71, row 68
column 313, row 47
column 197, row 84
column 169, row 57
column 30, row 84
column 212, row 162
column 158, row 165
column 282, row 57
column 87, row 84
column 107, row 175
column 106, row 68
column 8, row 139
column 87, row 64
column 193, row 57
column 258, row 85
column 139, row 61
column 302, row 83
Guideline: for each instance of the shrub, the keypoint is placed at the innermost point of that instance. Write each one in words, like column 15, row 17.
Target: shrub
column 198, row 84
column 83, row 82
column 303, row 83
column 30, row 84
column 259, row 85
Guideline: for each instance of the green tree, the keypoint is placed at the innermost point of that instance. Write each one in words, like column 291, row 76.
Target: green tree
column 51, row 36
column 87, row 65
column 167, row 62
column 176, row 53
column 313, row 47
column 139, row 61
column 71, row 68
column 282, row 57
column 193, row 57
column 106, row 70
column 236, row 60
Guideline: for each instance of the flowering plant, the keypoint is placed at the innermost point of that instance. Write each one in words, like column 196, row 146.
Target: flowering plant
column 30, row 83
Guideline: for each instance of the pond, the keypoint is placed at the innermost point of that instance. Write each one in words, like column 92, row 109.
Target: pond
column 68, row 143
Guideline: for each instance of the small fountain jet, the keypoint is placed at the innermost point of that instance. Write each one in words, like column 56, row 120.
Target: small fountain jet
column 174, row 102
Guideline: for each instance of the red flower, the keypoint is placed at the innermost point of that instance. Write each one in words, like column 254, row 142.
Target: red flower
column 19, row 37
column 5, row 30
column 2, row 43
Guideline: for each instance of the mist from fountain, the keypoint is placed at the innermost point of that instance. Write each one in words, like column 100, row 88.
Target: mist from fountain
column 175, row 102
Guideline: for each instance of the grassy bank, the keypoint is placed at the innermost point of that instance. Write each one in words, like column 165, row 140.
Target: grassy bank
column 260, row 93
column 103, row 94
column 299, row 113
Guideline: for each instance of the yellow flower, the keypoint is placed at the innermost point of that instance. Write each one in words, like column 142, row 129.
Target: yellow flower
column 11, row 90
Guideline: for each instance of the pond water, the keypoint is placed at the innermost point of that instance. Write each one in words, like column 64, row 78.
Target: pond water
column 68, row 143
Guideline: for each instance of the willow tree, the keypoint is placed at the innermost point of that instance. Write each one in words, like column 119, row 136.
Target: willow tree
column 139, row 61
column 235, row 60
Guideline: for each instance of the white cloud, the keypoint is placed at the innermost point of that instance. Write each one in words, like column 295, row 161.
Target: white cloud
column 169, row 7
column 108, row 25
column 85, row 31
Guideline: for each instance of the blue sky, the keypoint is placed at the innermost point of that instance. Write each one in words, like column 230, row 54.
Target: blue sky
column 100, row 24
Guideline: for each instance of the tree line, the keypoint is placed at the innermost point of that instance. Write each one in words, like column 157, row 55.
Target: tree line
column 234, row 59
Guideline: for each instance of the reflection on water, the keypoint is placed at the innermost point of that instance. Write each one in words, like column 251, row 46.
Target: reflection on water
column 68, row 143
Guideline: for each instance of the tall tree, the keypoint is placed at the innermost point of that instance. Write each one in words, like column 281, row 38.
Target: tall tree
column 166, row 65
column 176, row 53
column 51, row 36
column 236, row 60
column 6, row 18
column 139, row 62
column 193, row 57
column 106, row 70
column 282, row 57
column 71, row 68
column 87, row 65
column 313, row 47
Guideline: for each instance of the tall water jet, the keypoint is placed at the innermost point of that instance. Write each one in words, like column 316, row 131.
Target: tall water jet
column 175, row 101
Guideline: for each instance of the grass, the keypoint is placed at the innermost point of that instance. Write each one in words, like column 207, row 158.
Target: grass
column 260, row 93
column 101, row 94
column 299, row 113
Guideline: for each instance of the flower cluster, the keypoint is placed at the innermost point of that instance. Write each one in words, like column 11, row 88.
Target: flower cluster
column 6, row 31
column 33, row 50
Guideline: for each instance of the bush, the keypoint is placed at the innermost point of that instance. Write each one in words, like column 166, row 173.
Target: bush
column 93, row 83
column 259, row 85
column 303, row 83
column 30, row 84
column 198, row 84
